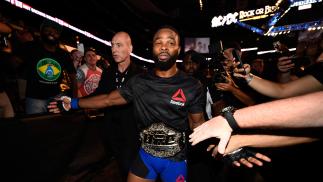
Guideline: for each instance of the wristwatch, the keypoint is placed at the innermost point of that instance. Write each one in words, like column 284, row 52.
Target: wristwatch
column 227, row 113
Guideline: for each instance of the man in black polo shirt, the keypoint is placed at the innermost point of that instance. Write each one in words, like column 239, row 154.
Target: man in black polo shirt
column 120, row 131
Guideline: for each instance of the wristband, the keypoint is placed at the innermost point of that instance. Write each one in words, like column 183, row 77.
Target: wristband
column 227, row 113
column 75, row 103
column 249, row 78
column 61, row 105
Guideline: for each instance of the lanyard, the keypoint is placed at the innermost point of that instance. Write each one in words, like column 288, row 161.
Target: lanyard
column 120, row 78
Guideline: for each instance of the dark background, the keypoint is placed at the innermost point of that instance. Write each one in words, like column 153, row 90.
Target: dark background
column 142, row 17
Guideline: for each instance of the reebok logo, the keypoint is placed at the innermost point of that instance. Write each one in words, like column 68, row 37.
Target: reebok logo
column 178, row 98
column 180, row 178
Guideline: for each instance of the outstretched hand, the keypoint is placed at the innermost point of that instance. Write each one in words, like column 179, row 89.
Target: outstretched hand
column 246, row 157
column 225, row 86
column 59, row 104
column 216, row 127
column 240, row 156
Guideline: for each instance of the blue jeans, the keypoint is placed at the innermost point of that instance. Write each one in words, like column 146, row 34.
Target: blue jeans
column 35, row 106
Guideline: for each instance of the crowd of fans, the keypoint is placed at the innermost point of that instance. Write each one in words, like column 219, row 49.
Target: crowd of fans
column 34, row 70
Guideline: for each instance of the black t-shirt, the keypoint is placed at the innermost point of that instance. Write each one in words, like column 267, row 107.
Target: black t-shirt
column 117, row 115
column 167, row 100
column 44, row 70
column 121, row 117
column 120, row 128
column 109, row 76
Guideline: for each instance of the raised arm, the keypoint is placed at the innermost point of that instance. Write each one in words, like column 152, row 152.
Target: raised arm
column 300, row 86
column 265, row 141
column 102, row 101
column 95, row 102
column 306, row 84
column 297, row 112
column 235, row 150
column 236, row 92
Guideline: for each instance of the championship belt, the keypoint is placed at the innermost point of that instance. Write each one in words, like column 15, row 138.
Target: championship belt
column 162, row 141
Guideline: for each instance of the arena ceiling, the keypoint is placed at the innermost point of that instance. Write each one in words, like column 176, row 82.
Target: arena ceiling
column 142, row 17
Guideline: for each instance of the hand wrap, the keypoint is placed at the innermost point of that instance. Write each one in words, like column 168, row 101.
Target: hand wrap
column 60, row 104
column 238, row 154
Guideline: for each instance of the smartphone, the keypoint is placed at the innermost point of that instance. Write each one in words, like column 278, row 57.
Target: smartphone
column 237, row 58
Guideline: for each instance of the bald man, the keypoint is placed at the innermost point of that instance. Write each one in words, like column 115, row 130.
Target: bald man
column 120, row 132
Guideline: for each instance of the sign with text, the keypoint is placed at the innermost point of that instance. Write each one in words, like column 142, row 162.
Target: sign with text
column 304, row 2
column 243, row 16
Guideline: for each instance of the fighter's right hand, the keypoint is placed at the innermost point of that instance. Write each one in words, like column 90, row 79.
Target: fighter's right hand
column 61, row 104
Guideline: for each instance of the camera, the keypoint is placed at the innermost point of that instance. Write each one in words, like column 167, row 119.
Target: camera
column 219, row 73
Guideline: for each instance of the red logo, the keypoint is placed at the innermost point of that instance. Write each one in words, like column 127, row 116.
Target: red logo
column 179, row 96
column 180, row 178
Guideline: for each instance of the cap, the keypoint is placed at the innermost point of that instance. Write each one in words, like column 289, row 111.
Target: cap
column 90, row 49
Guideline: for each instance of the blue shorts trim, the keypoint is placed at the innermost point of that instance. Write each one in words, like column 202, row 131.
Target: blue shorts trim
column 149, row 167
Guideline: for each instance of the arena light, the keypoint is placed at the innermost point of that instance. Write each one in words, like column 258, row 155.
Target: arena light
column 275, row 11
column 273, row 51
column 307, row 6
column 201, row 4
column 27, row 7
column 252, row 28
column 299, row 26
column 300, row 3
column 249, row 49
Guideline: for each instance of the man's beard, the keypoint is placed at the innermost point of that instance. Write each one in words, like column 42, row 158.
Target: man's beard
column 48, row 40
column 164, row 65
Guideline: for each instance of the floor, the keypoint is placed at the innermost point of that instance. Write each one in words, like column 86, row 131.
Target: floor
column 109, row 173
